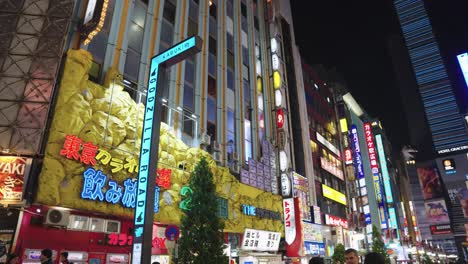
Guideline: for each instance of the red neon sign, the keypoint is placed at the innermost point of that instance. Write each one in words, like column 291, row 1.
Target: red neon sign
column 371, row 148
column 335, row 221
column 279, row 118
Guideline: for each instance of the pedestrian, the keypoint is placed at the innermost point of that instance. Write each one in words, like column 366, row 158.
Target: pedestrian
column 13, row 259
column 374, row 258
column 46, row 256
column 351, row 256
column 64, row 258
column 316, row 260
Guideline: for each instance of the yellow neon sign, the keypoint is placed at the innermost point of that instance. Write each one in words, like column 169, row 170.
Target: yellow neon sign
column 333, row 194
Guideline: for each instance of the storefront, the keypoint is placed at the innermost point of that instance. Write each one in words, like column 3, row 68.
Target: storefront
column 90, row 170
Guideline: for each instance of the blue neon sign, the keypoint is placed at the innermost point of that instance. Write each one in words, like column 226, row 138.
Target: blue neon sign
column 384, row 169
column 150, row 145
column 357, row 150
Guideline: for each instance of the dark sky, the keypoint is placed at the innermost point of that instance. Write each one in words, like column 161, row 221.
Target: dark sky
column 351, row 36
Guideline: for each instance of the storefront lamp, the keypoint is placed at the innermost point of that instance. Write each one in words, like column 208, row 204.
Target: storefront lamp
column 259, row 85
column 278, row 98
column 274, row 45
column 283, row 159
column 279, row 118
column 275, row 62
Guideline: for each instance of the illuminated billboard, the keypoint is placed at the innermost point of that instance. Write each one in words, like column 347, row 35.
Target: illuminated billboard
column 334, row 195
column 463, row 61
column 357, row 150
column 384, row 169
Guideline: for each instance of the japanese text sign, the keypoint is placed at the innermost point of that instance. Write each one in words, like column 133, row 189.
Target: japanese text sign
column 13, row 174
column 335, row 221
column 289, row 220
column 357, row 150
column 259, row 240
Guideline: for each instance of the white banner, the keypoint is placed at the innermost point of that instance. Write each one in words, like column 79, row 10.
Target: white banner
column 260, row 240
column 289, row 220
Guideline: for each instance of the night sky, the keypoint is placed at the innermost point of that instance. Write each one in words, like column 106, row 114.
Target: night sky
column 351, row 36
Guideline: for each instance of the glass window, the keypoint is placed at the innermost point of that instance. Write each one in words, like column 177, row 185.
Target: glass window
column 243, row 10
column 230, row 42
column 248, row 140
column 212, row 65
column 193, row 11
column 189, row 72
column 229, row 8
column 230, row 79
column 169, row 12
column 132, row 65
column 245, row 56
column 213, row 27
column 246, row 91
column 231, row 119
column 167, row 32
column 188, row 97
column 212, row 45
column 188, row 126
column 230, row 60
column 211, row 86
column 139, row 14
column 192, row 28
column 135, row 37
column 211, row 110
column 213, row 10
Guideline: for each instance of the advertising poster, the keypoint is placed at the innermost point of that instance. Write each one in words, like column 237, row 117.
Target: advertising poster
column 301, row 192
column 13, row 175
column 430, row 182
column 454, row 172
column 436, row 211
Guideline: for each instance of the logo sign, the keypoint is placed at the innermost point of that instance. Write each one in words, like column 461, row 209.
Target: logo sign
column 279, row 118
column 348, row 156
column 333, row 194
column 317, row 215
column 335, row 221
column 440, row 229
column 285, row 185
column 357, row 150
column 172, row 232
column 393, row 219
column 383, row 165
column 13, row 175
column 150, row 143
column 289, row 220
column 259, row 212
column 259, row 240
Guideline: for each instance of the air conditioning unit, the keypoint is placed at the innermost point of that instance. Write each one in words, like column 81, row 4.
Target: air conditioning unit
column 216, row 146
column 235, row 168
column 205, row 139
column 235, row 156
column 56, row 217
column 217, row 157
column 112, row 226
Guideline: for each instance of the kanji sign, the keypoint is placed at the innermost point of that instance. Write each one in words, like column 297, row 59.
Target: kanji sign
column 289, row 220
column 371, row 148
column 116, row 239
column 259, row 240
column 357, row 150
column 279, row 118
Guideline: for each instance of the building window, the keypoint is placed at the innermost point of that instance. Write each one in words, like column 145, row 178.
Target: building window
column 247, row 139
column 231, row 134
column 169, row 12
column 230, row 79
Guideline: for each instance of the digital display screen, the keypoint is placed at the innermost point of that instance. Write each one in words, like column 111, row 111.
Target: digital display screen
column 463, row 61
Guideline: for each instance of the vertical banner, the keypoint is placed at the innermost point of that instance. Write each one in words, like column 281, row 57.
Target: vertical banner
column 294, row 242
column 289, row 220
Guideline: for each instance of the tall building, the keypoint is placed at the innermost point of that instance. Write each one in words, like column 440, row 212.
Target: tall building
column 232, row 103
column 443, row 102
column 327, row 159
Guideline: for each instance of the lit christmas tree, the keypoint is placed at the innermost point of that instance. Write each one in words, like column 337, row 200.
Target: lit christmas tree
column 201, row 241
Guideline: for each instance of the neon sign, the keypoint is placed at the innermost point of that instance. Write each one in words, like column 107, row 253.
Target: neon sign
column 357, row 150
column 383, row 165
column 150, row 144
column 335, row 221
column 259, row 212
column 279, row 118
column 463, row 61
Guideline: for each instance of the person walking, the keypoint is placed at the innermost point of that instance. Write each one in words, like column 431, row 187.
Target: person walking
column 351, row 256
column 64, row 258
column 374, row 258
column 46, row 256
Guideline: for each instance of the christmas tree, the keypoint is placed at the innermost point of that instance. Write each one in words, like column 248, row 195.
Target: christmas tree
column 339, row 254
column 378, row 245
column 201, row 241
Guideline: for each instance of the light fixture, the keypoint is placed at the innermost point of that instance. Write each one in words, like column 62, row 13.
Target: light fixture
column 275, row 61
column 283, row 159
column 259, row 85
column 328, row 99
column 278, row 98
column 38, row 210
column 180, row 108
column 316, row 86
column 164, row 100
column 260, row 102
column 126, row 81
column 211, row 3
column 276, row 80
column 194, row 116
column 274, row 45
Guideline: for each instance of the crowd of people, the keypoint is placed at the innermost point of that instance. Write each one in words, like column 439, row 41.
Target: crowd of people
column 45, row 258
column 352, row 257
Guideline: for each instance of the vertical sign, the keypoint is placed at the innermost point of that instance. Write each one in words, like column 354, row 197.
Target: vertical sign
column 376, row 176
column 383, row 167
column 144, row 206
column 357, row 151
column 289, row 220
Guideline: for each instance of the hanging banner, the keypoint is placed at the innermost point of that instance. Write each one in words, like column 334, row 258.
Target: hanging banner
column 294, row 248
column 289, row 220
